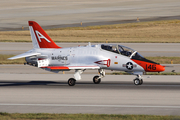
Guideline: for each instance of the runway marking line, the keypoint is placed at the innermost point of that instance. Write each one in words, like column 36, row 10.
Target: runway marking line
column 71, row 105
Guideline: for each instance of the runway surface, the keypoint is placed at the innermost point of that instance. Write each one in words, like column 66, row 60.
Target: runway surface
column 49, row 93
column 68, row 13
column 26, row 89
column 145, row 49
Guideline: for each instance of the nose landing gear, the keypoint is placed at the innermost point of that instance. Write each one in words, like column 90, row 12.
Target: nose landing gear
column 138, row 80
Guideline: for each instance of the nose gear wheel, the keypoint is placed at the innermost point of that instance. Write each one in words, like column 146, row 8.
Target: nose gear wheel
column 138, row 81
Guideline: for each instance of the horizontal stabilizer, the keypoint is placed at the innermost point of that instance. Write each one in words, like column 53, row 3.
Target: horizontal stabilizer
column 27, row 54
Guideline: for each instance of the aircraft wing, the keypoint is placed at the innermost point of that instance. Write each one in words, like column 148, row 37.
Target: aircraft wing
column 61, row 68
column 26, row 54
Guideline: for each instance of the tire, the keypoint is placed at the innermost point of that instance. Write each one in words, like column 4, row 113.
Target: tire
column 137, row 82
column 96, row 80
column 141, row 81
column 71, row 82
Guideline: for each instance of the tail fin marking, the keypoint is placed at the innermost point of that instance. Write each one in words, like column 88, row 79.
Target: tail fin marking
column 39, row 37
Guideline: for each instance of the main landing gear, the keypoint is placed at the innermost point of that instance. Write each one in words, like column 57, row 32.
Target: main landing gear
column 77, row 76
column 96, row 79
column 138, row 80
column 71, row 82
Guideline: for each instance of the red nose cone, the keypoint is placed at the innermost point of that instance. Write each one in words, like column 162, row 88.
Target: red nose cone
column 150, row 67
column 160, row 68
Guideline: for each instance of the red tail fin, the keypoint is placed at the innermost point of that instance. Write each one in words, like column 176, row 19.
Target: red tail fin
column 39, row 37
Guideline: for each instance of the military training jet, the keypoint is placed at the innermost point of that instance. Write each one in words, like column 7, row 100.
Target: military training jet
column 47, row 55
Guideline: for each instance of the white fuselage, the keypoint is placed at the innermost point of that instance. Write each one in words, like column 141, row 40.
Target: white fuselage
column 88, row 56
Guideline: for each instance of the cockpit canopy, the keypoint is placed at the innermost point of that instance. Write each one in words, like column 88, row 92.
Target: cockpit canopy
column 123, row 50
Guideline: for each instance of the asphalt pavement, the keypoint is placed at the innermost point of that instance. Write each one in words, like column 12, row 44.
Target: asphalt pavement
column 116, row 94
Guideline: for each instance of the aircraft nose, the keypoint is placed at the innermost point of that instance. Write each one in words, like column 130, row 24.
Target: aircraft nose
column 160, row 68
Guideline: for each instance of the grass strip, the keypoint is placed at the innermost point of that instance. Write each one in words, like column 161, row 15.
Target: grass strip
column 47, row 116
column 141, row 32
column 4, row 59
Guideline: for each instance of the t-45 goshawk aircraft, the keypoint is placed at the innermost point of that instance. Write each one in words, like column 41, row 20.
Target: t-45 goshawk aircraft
column 47, row 55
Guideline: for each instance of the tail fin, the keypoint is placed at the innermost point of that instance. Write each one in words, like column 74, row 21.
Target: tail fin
column 39, row 37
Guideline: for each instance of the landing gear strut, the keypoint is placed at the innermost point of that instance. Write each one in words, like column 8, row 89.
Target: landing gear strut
column 138, row 80
column 97, row 79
